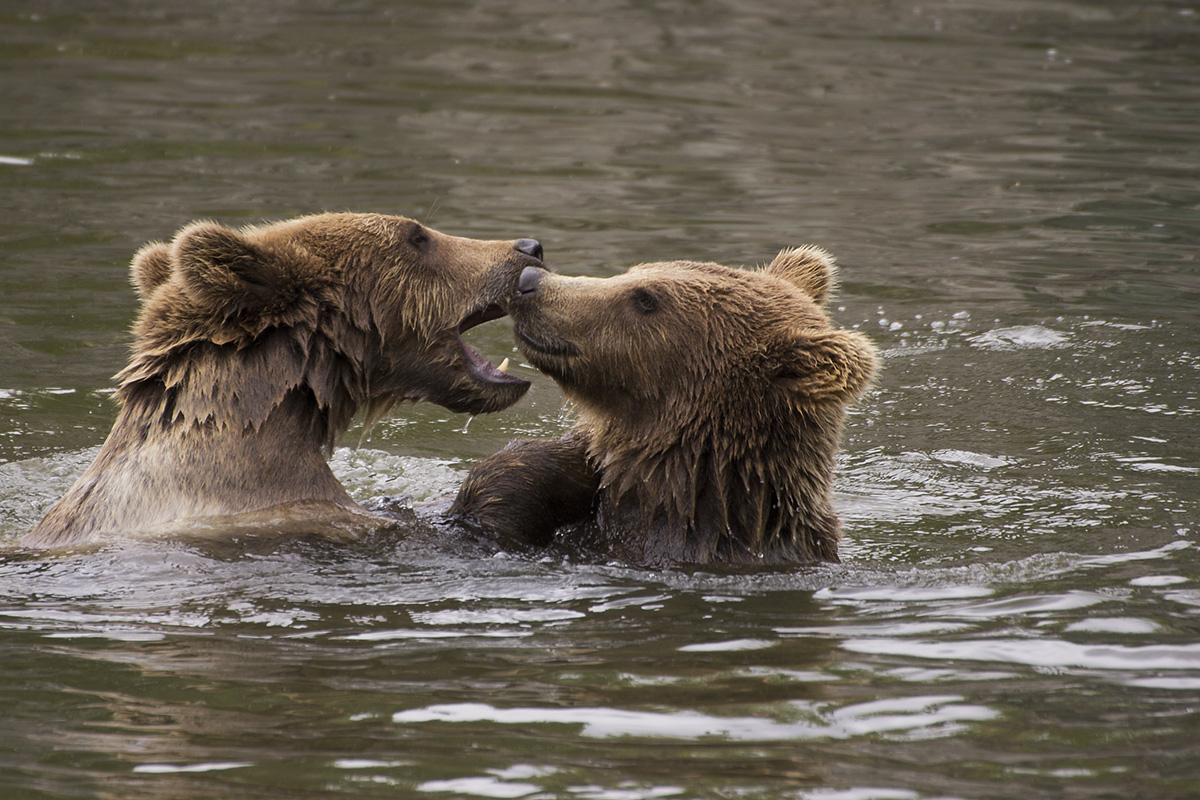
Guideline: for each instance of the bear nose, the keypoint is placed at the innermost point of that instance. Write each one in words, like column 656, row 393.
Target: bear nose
column 529, row 280
column 530, row 247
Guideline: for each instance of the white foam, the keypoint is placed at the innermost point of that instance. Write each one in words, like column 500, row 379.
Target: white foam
column 1020, row 337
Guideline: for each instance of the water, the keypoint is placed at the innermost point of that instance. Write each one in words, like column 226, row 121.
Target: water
column 1011, row 189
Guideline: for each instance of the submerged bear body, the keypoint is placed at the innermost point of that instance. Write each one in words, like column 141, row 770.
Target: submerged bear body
column 255, row 348
column 710, row 406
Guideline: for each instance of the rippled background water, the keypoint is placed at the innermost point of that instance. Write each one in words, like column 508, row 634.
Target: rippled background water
column 1011, row 188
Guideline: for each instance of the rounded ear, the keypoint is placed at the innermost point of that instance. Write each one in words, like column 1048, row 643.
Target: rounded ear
column 220, row 267
column 226, row 270
column 810, row 268
column 151, row 268
column 827, row 365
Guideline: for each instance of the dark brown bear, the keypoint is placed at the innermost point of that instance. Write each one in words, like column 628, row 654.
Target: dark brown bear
column 710, row 406
column 255, row 349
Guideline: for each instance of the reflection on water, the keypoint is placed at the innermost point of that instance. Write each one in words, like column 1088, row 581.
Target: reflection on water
column 887, row 716
column 1011, row 191
column 589, row 674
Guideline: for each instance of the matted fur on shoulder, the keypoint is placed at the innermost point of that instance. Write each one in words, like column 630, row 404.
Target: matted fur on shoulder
column 710, row 406
column 254, row 350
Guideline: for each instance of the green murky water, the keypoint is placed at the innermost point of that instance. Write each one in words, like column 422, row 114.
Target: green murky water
column 1012, row 189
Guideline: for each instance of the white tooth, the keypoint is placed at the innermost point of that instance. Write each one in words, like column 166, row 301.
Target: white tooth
column 503, row 366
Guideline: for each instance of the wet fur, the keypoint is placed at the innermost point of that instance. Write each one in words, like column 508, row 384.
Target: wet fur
column 255, row 349
column 710, row 434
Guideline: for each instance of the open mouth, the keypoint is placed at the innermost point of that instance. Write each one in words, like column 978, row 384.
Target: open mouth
column 477, row 364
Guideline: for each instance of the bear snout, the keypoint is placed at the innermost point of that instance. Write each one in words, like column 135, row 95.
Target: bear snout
column 530, row 247
column 527, row 284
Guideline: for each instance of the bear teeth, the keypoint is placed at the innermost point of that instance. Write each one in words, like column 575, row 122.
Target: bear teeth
column 503, row 366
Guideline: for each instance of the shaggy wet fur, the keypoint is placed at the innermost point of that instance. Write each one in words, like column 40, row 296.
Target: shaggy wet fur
column 710, row 406
column 256, row 348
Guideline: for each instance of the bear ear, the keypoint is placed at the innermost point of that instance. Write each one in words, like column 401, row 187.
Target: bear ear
column 830, row 365
column 151, row 268
column 226, row 270
column 810, row 268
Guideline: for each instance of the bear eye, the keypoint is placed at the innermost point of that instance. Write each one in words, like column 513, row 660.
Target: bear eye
column 418, row 237
column 645, row 301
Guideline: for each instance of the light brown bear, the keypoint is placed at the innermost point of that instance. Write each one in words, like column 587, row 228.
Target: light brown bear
column 710, row 406
column 255, row 349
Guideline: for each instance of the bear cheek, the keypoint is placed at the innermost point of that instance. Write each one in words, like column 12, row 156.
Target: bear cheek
column 626, row 387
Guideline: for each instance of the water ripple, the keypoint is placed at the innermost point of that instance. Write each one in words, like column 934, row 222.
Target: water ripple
column 1039, row 653
column 924, row 714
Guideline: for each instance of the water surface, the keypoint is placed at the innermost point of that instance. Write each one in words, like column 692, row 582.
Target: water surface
column 1011, row 189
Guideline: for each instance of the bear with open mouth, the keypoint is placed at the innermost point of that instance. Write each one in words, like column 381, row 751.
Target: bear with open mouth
column 255, row 348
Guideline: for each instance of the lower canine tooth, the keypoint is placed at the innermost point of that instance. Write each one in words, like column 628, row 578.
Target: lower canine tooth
column 503, row 366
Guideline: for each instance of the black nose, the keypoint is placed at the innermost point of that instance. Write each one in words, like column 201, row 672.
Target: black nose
column 530, row 247
column 529, row 280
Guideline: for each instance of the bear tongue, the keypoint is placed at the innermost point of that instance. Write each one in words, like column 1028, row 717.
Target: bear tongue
column 483, row 369
column 477, row 364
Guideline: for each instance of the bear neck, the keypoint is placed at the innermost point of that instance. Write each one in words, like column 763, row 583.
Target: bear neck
column 149, row 473
column 235, row 387
column 749, row 486
column 208, row 429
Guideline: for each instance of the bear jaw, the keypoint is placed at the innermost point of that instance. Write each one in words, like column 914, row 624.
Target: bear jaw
column 506, row 388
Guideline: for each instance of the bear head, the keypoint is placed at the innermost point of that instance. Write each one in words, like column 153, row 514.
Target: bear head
column 359, row 309
column 711, row 400
column 666, row 345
